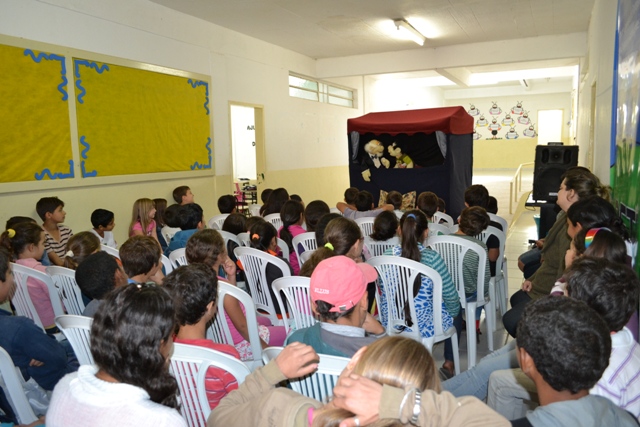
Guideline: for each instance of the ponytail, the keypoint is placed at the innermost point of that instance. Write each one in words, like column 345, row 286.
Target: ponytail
column 262, row 234
column 79, row 247
column 339, row 237
column 22, row 234
column 412, row 226
column 291, row 213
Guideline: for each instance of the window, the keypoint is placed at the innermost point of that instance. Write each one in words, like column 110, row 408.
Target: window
column 316, row 90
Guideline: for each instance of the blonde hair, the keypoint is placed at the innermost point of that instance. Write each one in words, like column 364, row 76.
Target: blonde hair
column 396, row 361
column 141, row 209
column 79, row 247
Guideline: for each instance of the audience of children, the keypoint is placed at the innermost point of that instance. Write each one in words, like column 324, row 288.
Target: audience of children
column 292, row 215
column 313, row 212
column 190, row 218
column 103, row 222
column 96, row 276
column 142, row 219
column 79, row 247
column 227, row 204
column 183, row 195
column 362, row 206
column 194, row 289
column 51, row 211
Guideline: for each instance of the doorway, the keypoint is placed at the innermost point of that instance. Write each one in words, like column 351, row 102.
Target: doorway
column 549, row 126
column 247, row 142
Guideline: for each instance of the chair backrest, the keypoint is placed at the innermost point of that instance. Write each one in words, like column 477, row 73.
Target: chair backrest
column 397, row 276
column 366, row 225
column 216, row 221
column 68, row 290
column 304, row 242
column 274, row 219
column 453, row 249
column 77, row 330
column 255, row 263
column 320, row 384
column 178, row 257
column 244, row 239
column 377, row 248
column 297, row 301
column 189, row 365
column 304, row 257
column 16, row 394
column 335, row 210
column 22, row 300
column 254, row 209
column 283, row 248
column 167, row 264
column 229, row 236
column 438, row 216
column 454, row 229
column 218, row 330
column 438, row 229
column 501, row 221
column 110, row 251
column 500, row 235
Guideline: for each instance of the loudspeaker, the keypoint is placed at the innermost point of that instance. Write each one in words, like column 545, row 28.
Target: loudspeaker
column 551, row 162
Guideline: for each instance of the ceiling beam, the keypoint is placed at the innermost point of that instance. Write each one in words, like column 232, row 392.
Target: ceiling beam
column 459, row 76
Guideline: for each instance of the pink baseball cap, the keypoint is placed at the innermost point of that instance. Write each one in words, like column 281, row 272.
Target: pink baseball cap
column 341, row 282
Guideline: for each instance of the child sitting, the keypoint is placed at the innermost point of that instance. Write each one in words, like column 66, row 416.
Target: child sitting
column 227, row 204
column 103, row 222
column 50, row 210
column 292, row 215
column 11, row 223
column 142, row 219
column 79, row 247
column 313, row 212
column 194, row 289
column 235, row 224
column 183, row 195
column 140, row 256
column 190, row 219
column 96, row 276
column 395, row 198
column 428, row 204
column 171, row 223
column 161, row 207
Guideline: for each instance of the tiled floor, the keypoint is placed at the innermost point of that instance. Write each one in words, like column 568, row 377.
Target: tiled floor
column 518, row 235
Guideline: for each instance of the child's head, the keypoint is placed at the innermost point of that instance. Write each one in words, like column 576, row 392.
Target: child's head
column 263, row 236
column 144, row 211
column 11, row 222
column 7, row 284
column 350, row 195
column 322, row 225
column 251, row 221
column 297, row 198
column 342, row 236
column 564, row 341
column 609, row 288
column 385, row 226
column 364, row 201
column 473, row 220
column 277, row 198
column 226, row 204
column 103, row 220
column 234, row 223
column 99, row 274
column 183, row 195
column 79, row 247
column 170, row 216
column 205, row 247
column 394, row 198
column 600, row 243
column 194, row 289
column 25, row 238
column 442, row 206
column 428, row 203
column 492, row 205
column 476, row 195
column 161, row 207
column 413, row 230
column 190, row 216
column 313, row 212
column 591, row 212
column 140, row 255
column 264, row 196
column 51, row 208
column 292, row 212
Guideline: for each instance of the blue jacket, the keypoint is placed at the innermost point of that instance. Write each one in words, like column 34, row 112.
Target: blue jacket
column 179, row 240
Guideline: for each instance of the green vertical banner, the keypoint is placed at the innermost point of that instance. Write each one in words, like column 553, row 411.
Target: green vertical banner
column 625, row 138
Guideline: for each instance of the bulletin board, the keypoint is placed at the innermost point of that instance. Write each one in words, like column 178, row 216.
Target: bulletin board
column 74, row 116
column 35, row 138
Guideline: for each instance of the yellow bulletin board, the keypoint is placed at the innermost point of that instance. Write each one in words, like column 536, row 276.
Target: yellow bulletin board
column 35, row 140
column 133, row 121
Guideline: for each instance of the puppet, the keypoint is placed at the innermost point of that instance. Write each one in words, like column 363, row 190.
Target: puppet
column 373, row 157
column 402, row 160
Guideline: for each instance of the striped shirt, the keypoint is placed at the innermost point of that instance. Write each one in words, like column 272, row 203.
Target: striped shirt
column 620, row 382
column 58, row 247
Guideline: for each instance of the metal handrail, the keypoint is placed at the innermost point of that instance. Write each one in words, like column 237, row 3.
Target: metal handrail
column 516, row 182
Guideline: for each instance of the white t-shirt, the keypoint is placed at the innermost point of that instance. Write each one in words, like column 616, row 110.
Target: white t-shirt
column 107, row 240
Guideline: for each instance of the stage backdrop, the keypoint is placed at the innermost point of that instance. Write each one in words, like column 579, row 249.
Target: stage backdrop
column 414, row 150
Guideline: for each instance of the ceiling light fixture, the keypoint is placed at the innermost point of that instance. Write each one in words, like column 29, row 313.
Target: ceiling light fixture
column 409, row 32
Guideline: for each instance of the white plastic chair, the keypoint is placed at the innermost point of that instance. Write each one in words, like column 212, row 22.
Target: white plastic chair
column 167, row 264
column 438, row 216
column 304, row 257
column 216, row 221
column 255, row 264
column 254, row 209
column 335, row 210
column 178, row 257
column 14, row 390
column 498, row 286
column 377, row 248
column 68, row 289
column 22, row 300
column 501, row 221
column 244, row 239
column 304, row 242
column 218, row 330
column 298, row 302
column 397, row 276
column 320, row 384
column 229, row 236
column 77, row 330
column 283, row 248
column 454, row 229
column 366, row 225
column 111, row 251
column 438, row 229
column 274, row 219
column 189, row 365
column 453, row 249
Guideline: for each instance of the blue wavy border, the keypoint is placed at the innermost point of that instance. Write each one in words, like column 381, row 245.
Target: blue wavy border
column 194, row 84
column 52, row 57
column 89, row 64
column 83, row 154
column 56, row 175
column 197, row 165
